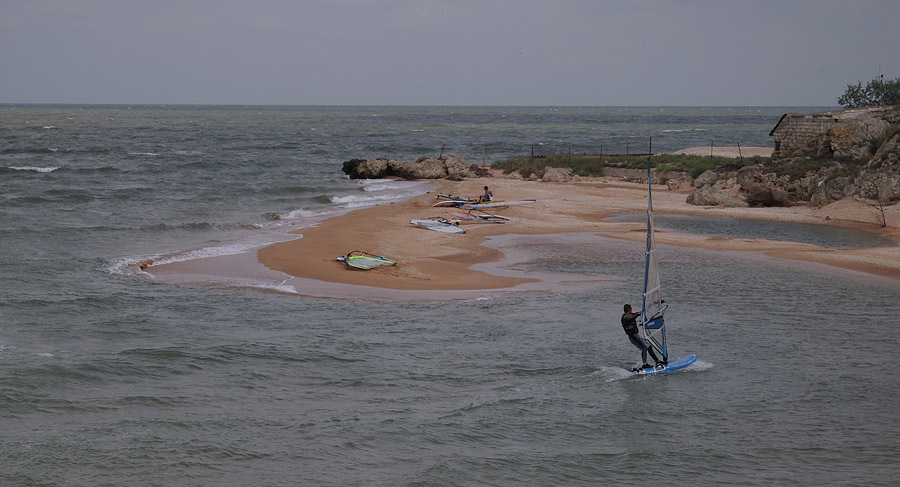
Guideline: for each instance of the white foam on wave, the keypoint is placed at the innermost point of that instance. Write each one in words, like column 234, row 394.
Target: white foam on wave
column 389, row 184
column 34, row 168
column 610, row 374
column 670, row 131
column 303, row 213
column 132, row 265
column 375, row 192
column 699, row 366
column 281, row 288
column 378, row 191
column 215, row 251
column 353, row 201
column 378, row 187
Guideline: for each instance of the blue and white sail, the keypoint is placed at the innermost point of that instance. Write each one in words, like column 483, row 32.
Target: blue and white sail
column 652, row 323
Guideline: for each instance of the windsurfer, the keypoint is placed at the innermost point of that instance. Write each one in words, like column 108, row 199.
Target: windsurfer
column 629, row 323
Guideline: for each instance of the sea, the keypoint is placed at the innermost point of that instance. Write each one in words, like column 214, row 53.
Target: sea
column 112, row 377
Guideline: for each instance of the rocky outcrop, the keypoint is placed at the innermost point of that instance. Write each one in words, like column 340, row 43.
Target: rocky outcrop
column 763, row 189
column 707, row 178
column 640, row 175
column 822, row 158
column 557, row 175
column 711, row 196
column 879, row 179
column 853, row 140
column 447, row 166
column 365, row 168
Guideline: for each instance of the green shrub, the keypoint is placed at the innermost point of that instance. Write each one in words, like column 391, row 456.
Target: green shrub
column 876, row 92
column 592, row 165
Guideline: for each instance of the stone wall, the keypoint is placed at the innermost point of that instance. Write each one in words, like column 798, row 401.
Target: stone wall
column 799, row 132
column 795, row 131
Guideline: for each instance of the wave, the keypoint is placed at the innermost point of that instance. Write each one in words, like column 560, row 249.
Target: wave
column 278, row 288
column 378, row 191
column 126, row 265
column 611, row 374
column 163, row 227
column 264, row 147
column 52, row 199
column 98, row 169
column 296, row 214
column 194, row 227
column 675, row 131
column 33, row 168
column 388, row 184
column 131, row 266
column 353, row 201
column 700, row 366
column 135, row 265
column 291, row 190
column 31, row 150
column 50, row 150
column 67, row 169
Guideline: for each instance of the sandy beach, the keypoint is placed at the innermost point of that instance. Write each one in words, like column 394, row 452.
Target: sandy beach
column 429, row 260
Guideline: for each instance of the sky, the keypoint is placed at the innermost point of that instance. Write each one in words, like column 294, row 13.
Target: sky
column 445, row 52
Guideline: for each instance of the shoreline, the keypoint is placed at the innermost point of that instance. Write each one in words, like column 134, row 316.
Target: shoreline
column 463, row 266
column 431, row 260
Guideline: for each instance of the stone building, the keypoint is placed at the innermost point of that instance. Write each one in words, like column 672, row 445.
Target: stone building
column 798, row 132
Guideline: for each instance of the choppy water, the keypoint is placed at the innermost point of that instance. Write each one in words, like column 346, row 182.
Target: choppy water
column 111, row 378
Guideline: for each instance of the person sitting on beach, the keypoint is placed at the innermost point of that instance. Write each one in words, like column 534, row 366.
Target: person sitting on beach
column 487, row 196
column 629, row 323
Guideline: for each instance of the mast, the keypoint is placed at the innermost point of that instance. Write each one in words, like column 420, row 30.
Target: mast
column 653, row 325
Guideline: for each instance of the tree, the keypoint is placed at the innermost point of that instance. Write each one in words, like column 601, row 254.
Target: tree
column 876, row 92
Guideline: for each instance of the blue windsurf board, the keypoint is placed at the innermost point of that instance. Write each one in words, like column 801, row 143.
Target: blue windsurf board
column 673, row 365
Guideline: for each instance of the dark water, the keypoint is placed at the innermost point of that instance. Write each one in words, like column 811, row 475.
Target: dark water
column 109, row 377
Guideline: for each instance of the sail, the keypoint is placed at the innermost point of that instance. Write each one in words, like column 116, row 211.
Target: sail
column 653, row 325
column 364, row 260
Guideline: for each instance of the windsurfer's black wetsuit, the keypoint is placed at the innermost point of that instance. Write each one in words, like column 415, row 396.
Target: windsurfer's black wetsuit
column 629, row 323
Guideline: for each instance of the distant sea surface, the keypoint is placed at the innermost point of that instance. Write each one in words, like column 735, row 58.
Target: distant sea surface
column 109, row 377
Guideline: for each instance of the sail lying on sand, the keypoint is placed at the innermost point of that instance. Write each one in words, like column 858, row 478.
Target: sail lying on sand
column 652, row 323
column 364, row 260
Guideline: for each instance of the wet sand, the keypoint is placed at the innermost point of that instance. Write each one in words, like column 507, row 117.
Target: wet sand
column 429, row 260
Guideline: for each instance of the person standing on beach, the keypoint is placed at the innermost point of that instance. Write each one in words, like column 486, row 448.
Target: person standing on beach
column 629, row 323
column 487, row 196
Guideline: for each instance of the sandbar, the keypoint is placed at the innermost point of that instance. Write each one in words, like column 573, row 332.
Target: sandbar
column 434, row 261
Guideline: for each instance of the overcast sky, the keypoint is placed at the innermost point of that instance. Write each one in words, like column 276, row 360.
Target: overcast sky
column 445, row 52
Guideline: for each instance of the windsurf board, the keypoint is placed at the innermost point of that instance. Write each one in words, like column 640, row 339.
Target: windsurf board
column 673, row 365
column 442, row 225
